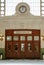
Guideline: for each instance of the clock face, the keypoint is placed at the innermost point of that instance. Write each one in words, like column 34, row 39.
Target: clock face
column 22, row 9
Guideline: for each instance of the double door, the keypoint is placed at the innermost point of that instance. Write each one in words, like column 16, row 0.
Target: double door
column 22, row 45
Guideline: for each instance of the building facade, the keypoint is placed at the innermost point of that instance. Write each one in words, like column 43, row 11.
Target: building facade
column 22, row 20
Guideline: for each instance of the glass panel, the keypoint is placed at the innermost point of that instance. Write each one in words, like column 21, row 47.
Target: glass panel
column 16, row 47
column 29, row 47
column 34, row 6
column 2, row 12
column 15, row 38
column 2, row 0
column 22, row 47
column 9, row 38
column 36, row 38
column 42, row 0
column 22, row 38
column 2, row 8
column 29, row 38
column 2, row 4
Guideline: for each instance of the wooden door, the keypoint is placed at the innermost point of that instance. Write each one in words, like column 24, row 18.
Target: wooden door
column 16, row 50
column 8, row 50
column 22, row 43
column 29, row 46
column 36, row 41
column 29, row 50
column 8, row 44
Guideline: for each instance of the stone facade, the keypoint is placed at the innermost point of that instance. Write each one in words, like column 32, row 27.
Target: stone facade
column 21, row 21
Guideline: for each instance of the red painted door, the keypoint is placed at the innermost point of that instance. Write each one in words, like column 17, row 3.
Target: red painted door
column 16, row 50
column 36, row 41
column 22, row 43
column 8, row 44
column 8, row 50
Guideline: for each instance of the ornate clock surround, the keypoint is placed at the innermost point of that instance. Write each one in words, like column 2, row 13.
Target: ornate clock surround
column 22, row 4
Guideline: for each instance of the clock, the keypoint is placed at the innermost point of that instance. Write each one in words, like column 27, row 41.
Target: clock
column 22, row 9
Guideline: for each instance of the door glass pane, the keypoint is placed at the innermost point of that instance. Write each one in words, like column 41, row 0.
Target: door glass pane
column 15, row 38
column 36, row 38
column 15, row 47
column 22, row 47
column 22, row 38
column 29, row 38
column 29, row 47
column 9, row 38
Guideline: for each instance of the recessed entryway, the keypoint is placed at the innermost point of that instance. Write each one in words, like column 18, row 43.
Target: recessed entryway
column 19, row 43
